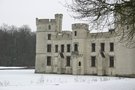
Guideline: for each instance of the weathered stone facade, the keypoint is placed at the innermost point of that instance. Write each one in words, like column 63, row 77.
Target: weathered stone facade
column 80, row 52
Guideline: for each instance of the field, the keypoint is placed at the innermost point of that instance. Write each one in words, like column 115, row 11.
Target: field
column 26, row 79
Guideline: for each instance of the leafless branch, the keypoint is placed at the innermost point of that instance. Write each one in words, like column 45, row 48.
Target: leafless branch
column 100, row 12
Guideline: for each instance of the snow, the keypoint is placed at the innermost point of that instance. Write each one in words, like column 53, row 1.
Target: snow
column 3, row 67
column 26, row 79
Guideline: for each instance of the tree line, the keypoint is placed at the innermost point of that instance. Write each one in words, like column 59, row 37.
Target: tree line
column 17, row 46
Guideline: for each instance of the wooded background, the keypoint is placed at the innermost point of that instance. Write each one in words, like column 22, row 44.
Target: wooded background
column 17, row 46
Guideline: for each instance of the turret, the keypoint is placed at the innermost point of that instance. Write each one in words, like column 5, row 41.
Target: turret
column 80, row 30
column 58, row 18
column 79, row 36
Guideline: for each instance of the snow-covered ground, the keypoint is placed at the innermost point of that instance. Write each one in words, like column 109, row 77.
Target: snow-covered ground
column 27, row 80
column 3, row 67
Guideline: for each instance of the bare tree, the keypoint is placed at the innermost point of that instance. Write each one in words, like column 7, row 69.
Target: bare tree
column 117, row 13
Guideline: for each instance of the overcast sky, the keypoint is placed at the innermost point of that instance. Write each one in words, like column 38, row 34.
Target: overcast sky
column 24, row 12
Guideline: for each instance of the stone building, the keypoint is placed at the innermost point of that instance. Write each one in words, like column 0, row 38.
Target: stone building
column 80, row 52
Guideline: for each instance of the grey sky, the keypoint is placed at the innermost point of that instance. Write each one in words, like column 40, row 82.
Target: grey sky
column 20, row 12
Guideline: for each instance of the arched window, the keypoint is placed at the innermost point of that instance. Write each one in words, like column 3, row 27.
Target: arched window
column 75, row 47
column 79, row 64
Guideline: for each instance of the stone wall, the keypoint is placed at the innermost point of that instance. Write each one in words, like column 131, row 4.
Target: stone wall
column 80, row 63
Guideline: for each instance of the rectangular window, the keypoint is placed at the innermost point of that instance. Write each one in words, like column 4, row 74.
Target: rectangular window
column 49, row 27
column 111, row 46
column 49, row 36
column 56, row 48
column 111, row 61
column 62, row 48
column 75, row 47
column 93, row 47
column 68, row 60
column 75, row 33
column 48, row 47
column 93, row 61
column 68, row 47
column 48, row 60
column 102, row 46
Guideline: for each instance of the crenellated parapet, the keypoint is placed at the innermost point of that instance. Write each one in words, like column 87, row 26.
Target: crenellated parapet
column 80, row 26
column 50, row 24
column 64, row 35
column 45, row 21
